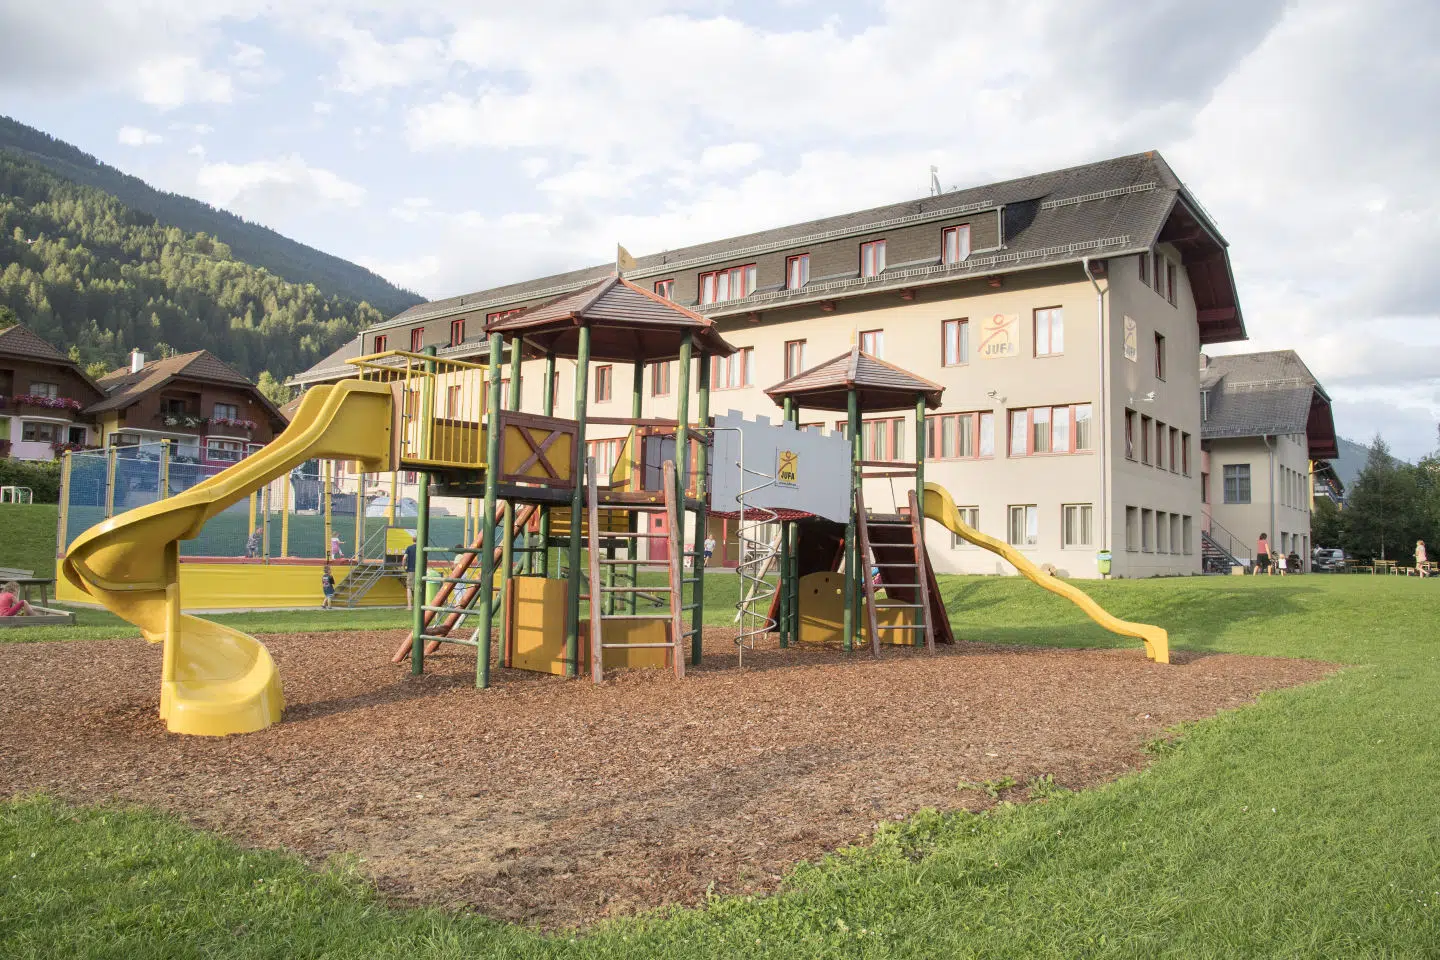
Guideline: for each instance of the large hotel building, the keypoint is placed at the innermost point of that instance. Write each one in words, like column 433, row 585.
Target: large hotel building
column 1063, row 313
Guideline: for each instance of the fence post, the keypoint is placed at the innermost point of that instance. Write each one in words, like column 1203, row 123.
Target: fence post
column 110, row 465
column 62, row 518
column 285, row 501
column 327, row 472
column 164, row 490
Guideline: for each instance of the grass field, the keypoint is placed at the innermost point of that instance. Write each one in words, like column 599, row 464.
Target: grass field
column 1301, row 826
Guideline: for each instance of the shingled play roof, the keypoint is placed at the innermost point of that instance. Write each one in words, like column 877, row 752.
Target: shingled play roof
column 881, row 386
column 628, row 324
column 1267, row 394
column 124, row 387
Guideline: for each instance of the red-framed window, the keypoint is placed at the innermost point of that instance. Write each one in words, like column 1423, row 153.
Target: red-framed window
column 485, row 395
column 882, row 439
column 382, row 343
column 1144, row 261
column 501, row 315
column 797, row 271
column 794, row 357
column 457, row 332
column 454, row 401
column 660, row 379
column 1159, row 445
column 872, row 258
column 1157, row 272
column 417, row 339
column 1174, row 450
column 1159, row 356
column 1185, row 454
column 960, row 436
column 955, row 243
column 1049, row 332
column 872, row 342
column 665, row 288
column 1170, row 282
column 734, row 371
column 1129, row 434
column 1036, row 431
column 732, row 283
column 954, row 343
column 604, row 382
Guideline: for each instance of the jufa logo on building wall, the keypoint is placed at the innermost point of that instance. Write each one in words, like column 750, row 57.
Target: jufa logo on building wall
column 1132, row 340
column 787, row 468
column 1000, row 337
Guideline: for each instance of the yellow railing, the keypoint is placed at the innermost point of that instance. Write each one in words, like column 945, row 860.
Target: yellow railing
column 442, row 403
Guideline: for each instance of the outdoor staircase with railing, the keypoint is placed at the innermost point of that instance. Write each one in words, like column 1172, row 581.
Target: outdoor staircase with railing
column 370, row 566
column 1221, row 551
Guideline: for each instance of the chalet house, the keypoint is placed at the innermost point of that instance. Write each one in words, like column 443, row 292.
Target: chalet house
column 1063, row 313
column 208, row 410
column 1266, row 429
column 42, row 396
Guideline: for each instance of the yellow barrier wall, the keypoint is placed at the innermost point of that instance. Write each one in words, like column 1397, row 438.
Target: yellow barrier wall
column 822, row 613
column 252, row 586
column 538, row 627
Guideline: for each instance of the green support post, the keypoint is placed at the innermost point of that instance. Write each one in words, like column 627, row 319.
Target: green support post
column 577, row 505
column 921, row 613
column 682, row 463
column 547, row 407
column 422, row 522
column 110, row 465
column 486, row 614
column 852, row 555
column 702, row 516
column 793, row 583
column 631, row 597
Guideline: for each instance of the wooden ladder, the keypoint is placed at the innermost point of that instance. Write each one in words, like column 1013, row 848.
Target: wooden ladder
column 675, row 536
column 896, row 534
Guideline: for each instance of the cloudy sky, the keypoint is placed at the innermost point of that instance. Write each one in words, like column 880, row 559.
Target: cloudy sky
column 454, row 144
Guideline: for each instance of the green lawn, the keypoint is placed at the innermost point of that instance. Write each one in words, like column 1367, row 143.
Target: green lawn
column 1301, row 826
column 29, row 537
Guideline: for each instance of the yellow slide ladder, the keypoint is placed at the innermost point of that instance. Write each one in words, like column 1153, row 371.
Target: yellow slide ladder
column 215, row 680
column 941, row 508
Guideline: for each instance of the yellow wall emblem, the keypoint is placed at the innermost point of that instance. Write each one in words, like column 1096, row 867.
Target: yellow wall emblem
column 787, row 468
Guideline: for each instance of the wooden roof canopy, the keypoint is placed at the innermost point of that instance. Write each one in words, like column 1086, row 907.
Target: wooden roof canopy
column 628, row 324
column 882, row 387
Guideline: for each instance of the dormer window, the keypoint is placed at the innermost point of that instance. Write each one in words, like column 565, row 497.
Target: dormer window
column 1204, row 406
column 732, row 284
column 872, row 258
column 955, row 244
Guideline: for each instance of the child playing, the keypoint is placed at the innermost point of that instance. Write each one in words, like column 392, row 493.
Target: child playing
column 327, row 585
column 11, row 605
column 1281, row 562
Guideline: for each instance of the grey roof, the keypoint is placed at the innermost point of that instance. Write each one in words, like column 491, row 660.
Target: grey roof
column 1266, row 394
column 880, row 386
column 1105, row 209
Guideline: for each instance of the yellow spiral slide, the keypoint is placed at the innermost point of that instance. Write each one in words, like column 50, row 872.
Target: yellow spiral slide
column 939, row 507
column 215, row 680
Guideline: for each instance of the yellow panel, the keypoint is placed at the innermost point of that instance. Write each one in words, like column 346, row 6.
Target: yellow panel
column 255, row 586
column 457, row 442
column 611, row 521
column 538, row 628
column 560, row 453
column 538, row 624
column 822, row 607
column 630, row 631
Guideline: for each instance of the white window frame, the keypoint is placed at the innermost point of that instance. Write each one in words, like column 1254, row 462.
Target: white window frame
column 1083, row 523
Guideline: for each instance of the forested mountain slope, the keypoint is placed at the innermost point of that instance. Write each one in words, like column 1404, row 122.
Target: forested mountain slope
column 249, row 242
column 81, row 268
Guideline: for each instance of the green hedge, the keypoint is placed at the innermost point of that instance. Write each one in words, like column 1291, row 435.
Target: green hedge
column 41, row 476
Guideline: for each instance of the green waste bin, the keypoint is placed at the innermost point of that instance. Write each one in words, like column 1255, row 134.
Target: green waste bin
column 1102, row 560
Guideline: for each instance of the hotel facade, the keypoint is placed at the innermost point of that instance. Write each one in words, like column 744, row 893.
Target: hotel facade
column 1063, row 313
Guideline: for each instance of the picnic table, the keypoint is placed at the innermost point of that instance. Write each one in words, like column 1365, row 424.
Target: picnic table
column 1385, row 566
column 27, row 579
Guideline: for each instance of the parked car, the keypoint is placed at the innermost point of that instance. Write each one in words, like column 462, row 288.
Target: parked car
column 380, row 507
column 1327, row 560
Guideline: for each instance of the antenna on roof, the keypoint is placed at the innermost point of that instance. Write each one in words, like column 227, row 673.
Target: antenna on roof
column 935, row 190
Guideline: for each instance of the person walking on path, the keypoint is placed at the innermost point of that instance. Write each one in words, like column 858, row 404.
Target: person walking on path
column 337, row 547
column 1262, row 556
column 1281, row 562
column 252, row 545
column 1420, row 559
column 709, row 549
column 327, row 586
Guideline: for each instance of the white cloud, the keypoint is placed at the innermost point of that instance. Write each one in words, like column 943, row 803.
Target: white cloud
column 728, row 157
column 322, row 108
column 367, row 64
column 138, row 137
column 405, row 273
column 196, row 151
column 267, row 190
column 198, row 129
column 174, row 81
column 248, row 57
column 411, row 209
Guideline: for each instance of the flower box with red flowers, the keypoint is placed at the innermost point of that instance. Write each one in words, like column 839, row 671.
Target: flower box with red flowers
column 46, row 403
column 234, row 423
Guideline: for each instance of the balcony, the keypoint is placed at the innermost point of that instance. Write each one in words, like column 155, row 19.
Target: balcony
column 41, row 404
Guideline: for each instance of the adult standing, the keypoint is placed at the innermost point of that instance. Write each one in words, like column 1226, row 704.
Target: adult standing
column 1262, row 555
column 410, row 574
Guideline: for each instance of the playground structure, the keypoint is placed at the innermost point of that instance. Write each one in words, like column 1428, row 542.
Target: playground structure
column 451, row 423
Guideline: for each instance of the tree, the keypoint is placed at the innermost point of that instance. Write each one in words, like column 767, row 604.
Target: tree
column 273, row 390
column 1384, row 514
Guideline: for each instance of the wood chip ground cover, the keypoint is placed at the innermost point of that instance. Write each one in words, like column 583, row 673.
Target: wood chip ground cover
column 556, row 803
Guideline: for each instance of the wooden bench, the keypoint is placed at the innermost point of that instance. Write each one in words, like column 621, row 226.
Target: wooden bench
column 1385, row 566
column 27, row 579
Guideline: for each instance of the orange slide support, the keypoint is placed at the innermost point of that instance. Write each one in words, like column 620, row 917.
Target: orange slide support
column 457, row 569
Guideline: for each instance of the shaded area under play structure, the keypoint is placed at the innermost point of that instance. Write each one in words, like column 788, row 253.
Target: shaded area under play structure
column 555, row 558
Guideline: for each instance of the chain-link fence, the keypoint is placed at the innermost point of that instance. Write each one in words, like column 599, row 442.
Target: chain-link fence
column 287, row 518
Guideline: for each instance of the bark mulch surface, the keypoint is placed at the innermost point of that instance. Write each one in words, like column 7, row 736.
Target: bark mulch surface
column 556, row 803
